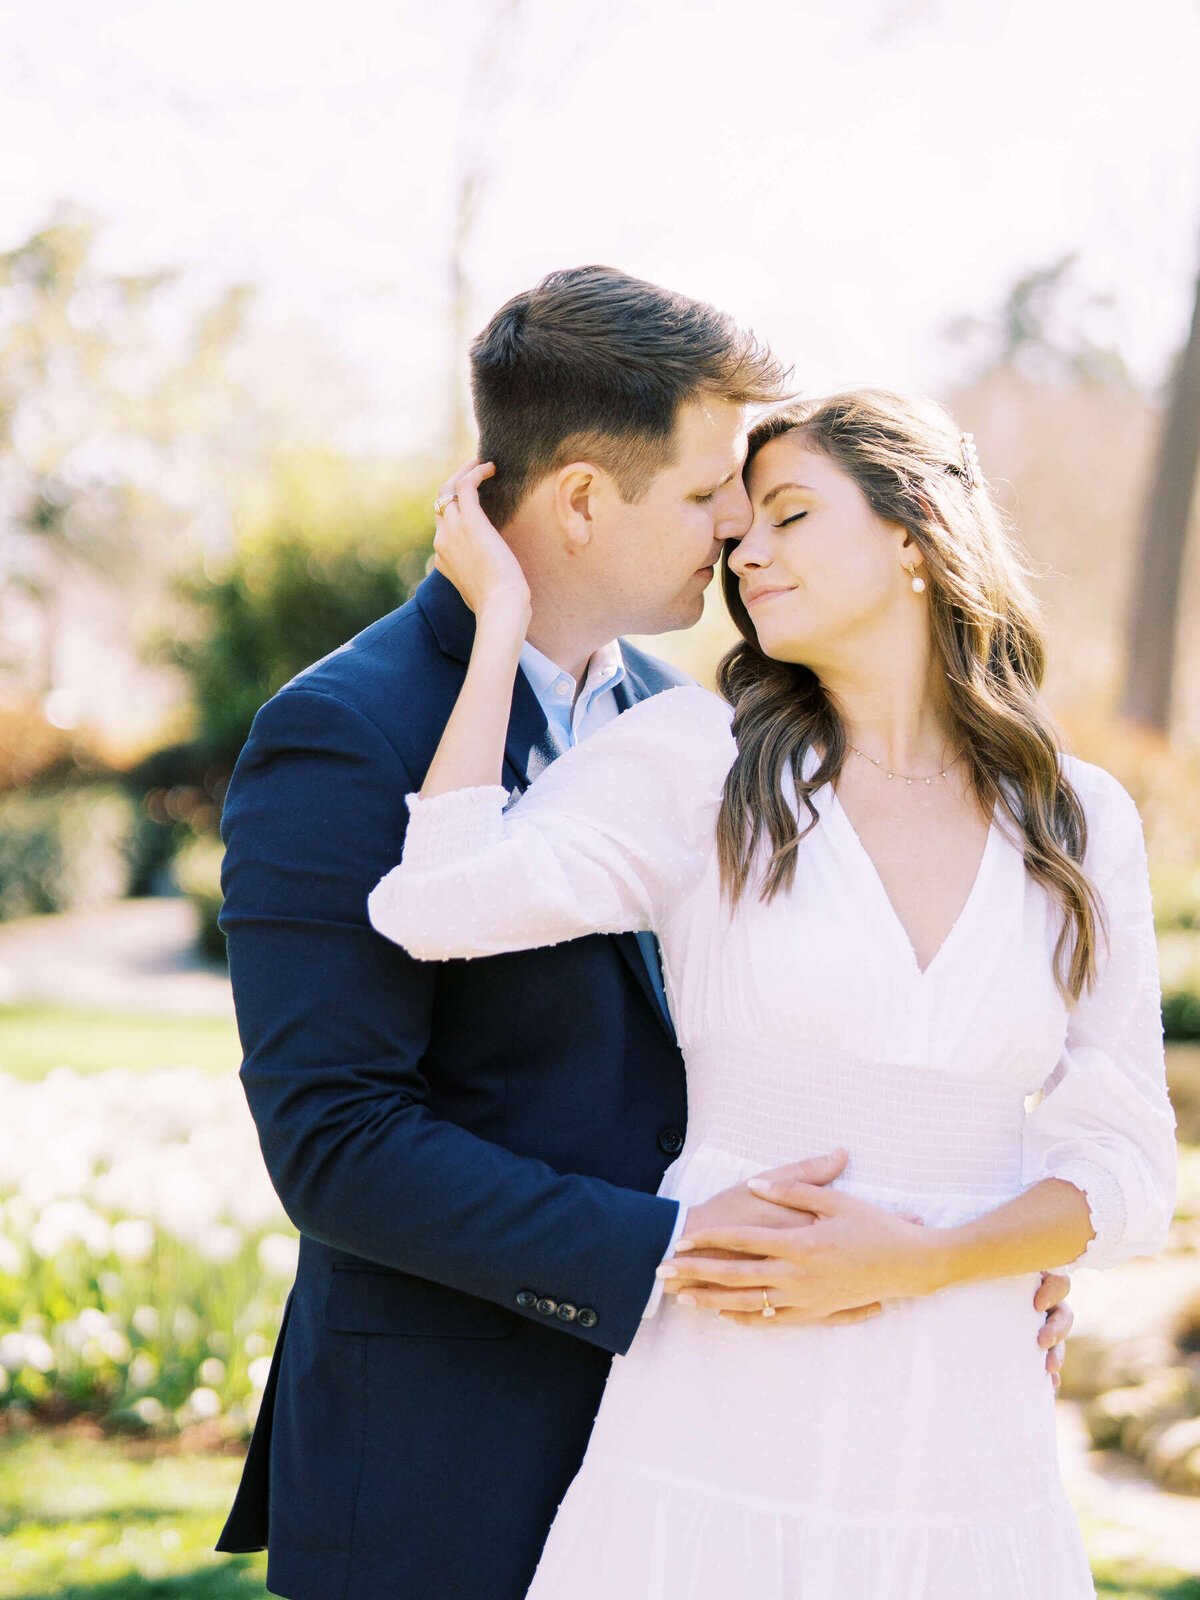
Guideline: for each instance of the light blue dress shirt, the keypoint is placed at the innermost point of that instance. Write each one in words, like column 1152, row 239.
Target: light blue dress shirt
column 575, row 713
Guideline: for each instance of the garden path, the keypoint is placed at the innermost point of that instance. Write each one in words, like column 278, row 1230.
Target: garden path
column 1125, row 1516
column 136, row 955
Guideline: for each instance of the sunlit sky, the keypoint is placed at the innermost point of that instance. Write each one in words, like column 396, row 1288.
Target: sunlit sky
column 845, row 175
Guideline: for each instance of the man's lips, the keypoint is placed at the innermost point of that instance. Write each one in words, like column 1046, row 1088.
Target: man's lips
column 757, row 596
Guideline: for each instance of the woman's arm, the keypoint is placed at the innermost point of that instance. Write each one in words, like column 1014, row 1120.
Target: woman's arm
column 604, row 838
column 848, row 1252
column 469, row 551
column 1049, row 1223
column 1104, row 1122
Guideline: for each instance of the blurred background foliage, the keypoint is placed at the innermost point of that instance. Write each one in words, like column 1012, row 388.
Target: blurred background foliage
column 177, row 545
column 322, row 550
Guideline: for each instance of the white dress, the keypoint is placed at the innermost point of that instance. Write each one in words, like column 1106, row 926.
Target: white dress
column 912, row 1456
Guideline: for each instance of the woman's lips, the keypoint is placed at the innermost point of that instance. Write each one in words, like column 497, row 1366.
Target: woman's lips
column 759, row 595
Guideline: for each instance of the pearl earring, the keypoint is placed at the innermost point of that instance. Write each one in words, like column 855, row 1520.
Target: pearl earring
column 918, row 584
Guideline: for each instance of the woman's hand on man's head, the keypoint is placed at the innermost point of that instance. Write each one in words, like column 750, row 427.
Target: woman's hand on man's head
column 469, row 551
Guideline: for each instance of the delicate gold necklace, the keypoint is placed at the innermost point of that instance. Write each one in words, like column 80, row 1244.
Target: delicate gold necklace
column 917, row 778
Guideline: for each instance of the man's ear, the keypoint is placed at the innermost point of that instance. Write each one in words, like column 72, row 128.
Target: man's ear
column 575, row 488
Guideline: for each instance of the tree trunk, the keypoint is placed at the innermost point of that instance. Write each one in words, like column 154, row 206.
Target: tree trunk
column 1153, row 621
column 488, row 86
column 471, row 184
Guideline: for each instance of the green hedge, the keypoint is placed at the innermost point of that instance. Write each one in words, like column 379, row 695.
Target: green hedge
column 64, row 850
column 1179, row 960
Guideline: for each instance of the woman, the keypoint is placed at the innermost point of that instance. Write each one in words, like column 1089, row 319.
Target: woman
column 890, row 910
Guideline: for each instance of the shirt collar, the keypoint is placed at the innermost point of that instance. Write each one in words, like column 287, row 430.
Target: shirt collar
column 550, row 683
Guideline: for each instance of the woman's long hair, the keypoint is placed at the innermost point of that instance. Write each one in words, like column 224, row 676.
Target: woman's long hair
column 914, row 468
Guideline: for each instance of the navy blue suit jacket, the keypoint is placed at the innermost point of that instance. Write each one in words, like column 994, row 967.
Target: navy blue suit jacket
column 470, row 1151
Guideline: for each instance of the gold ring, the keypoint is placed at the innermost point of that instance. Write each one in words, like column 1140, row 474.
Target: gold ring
column 768, row 1309
column 442, row 501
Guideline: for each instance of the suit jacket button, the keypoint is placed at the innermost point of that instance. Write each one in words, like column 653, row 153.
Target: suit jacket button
column 566, row 1313
column 527, row 1299
column 586, row 1317
column 670, row 1141
column 546, row 1306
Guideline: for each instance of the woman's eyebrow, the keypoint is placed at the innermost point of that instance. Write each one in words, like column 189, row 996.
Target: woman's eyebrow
column 780, row 487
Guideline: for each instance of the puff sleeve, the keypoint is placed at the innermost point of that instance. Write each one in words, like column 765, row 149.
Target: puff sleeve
column 603, row 841
column 1104, row 1122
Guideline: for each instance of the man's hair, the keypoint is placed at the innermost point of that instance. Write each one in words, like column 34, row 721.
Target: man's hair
column 593, row 365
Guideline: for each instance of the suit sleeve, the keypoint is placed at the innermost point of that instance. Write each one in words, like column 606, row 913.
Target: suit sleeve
column 335, row 1023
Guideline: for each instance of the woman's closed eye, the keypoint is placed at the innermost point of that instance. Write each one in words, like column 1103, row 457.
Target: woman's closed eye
column 795, row 517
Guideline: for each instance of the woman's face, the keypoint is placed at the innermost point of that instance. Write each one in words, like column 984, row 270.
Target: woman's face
column 818, row 569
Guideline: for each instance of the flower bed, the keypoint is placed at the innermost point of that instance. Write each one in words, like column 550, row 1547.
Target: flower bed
column 144, row 1257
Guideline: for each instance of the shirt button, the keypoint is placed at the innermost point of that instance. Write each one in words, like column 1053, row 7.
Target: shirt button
column 562, row 687
column 566, row 1313
column 670, row 1141
column 527, row 1299
column 586, row 1317
column 546, row 1306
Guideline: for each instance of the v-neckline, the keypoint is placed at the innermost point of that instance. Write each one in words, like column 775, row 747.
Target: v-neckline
column 889, row 910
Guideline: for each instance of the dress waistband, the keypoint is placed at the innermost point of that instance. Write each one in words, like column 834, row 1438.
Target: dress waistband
column 771, row 1100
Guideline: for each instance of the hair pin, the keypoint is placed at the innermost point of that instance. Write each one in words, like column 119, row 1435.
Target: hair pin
column 971, row 472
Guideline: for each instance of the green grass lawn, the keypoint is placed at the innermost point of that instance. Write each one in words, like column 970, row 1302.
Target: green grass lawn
column 83, row 1519
column 36, row 1039
column 1120, row 1581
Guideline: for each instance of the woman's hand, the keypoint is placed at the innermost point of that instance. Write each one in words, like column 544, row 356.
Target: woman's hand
column 469, row 551
column 848, row 1254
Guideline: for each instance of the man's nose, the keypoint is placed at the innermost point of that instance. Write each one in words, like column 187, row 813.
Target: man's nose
column 735, row 515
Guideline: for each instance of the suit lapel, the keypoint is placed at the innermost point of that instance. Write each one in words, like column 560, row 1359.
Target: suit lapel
column 528, row 746
column 529, row 749
column 639, row 952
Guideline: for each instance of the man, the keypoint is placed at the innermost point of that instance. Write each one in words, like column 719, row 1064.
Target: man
column 471, row 1150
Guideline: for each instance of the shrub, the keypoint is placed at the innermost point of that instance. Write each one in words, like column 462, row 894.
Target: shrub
column 328, row 554
column 198, row 873
column 32, row 750
column 64, row 850
column 1179, row 960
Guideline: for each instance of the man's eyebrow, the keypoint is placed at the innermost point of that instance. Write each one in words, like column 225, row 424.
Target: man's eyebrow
column 780, row 487
column 728, row 478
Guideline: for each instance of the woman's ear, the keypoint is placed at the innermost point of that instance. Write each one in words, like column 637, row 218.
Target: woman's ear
column 911, row 554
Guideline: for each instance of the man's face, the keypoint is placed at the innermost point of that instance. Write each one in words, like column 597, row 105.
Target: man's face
column 659, row 554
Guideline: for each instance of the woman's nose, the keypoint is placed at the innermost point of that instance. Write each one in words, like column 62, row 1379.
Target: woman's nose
column 748, row 553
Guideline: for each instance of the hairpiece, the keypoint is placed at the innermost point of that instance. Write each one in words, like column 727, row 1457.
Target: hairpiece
column 970, row 471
